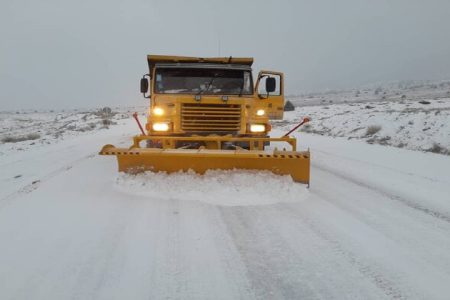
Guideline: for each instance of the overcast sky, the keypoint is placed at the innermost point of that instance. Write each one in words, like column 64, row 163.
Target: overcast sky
column 70, row 54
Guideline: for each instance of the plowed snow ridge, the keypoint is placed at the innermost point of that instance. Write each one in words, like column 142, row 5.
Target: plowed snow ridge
column 228, row 188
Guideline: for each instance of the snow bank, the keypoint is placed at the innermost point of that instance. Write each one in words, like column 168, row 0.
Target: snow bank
column 217, row 187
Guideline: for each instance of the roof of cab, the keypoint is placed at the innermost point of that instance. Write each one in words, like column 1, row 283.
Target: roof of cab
column 154, row 59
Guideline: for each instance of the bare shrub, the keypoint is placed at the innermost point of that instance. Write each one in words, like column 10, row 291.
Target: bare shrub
column 378, row 90
column 356, row 129
column 107, row 122
column 106, row 114
column 306, row 128
column 436, row 148
column 89, row 127
column 371, row 130
column 15, row 139
column 384, row 140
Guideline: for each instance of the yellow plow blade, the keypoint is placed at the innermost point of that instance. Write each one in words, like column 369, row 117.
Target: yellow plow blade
column 134, row 160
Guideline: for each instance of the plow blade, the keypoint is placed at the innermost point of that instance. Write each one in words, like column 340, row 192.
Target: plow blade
column 135, row 160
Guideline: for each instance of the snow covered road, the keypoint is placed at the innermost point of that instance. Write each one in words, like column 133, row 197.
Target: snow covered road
column 375, row 224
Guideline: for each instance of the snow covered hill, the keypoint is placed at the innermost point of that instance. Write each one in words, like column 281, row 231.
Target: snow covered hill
column 412, row 115
column 417, row 125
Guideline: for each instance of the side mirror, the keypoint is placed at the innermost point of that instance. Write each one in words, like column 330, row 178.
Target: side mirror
column 144, row 85
column 271, row 84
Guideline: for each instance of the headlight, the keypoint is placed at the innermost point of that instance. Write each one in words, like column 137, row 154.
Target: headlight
column 260, row 112
column 257, row 128
column 160, row 126
column 158, row 111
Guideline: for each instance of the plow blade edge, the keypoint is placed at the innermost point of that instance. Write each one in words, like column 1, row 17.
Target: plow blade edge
column 135, row 160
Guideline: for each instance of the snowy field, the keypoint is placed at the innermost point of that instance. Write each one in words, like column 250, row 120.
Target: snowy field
column 24, row 129
column 375, row 223
column 415, row 116
column 395, row 91
column 411, row 125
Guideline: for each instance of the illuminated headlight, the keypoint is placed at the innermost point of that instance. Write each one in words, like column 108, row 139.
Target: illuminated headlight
column 158, row 111
column 257, row 128
column 260, row 112
column 160, row 126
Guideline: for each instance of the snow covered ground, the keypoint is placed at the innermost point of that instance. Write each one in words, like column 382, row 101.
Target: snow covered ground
column 23, row 129
column 395, row 91
column 375, row 223
column 416, row 120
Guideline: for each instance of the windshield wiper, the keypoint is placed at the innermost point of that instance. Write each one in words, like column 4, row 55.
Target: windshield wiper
column 242, row 88
column 209, row 84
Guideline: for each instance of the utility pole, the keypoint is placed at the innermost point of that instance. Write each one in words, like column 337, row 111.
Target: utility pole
column 218, row 46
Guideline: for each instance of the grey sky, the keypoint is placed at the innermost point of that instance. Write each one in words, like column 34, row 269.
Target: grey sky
column 66, row 54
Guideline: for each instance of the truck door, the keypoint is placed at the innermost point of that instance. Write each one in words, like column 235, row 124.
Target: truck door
column 270, row 90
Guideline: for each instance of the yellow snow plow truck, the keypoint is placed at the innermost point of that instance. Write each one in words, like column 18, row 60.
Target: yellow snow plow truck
column 207, row 113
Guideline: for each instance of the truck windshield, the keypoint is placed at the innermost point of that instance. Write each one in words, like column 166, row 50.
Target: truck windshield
column 203, row 81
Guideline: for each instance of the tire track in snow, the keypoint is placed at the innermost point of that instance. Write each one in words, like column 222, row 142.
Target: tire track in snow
column 29, row 188
column 174, row 269
column 62, row 151
column 287, row 257
column 407, row 202
column 379, row 166
column 421, row 236
column 386, row 285
column 105, row 260
column 266, row 257
column 230, row 258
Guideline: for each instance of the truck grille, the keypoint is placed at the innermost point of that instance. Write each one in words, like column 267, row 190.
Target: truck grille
column 210, row 117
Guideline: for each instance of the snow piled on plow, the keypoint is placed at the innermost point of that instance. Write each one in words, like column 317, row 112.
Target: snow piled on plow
column 217, row 187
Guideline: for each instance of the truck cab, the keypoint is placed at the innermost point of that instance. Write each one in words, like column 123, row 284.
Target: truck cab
column 210, row 96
